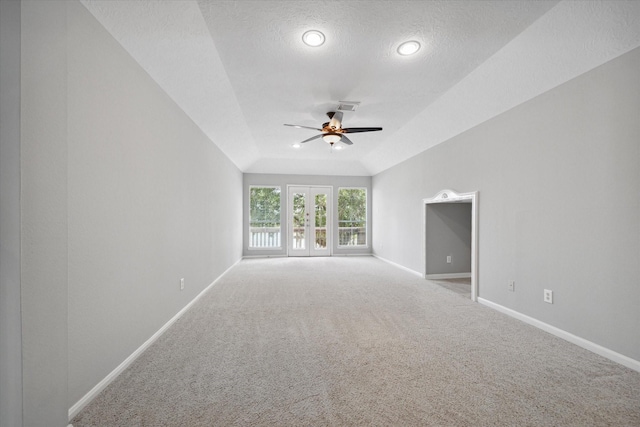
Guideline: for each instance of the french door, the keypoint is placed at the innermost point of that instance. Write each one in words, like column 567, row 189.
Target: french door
column 309, row 221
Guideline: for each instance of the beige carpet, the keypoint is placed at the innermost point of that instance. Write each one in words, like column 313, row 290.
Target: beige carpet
column 459, row 286
column 357, row 342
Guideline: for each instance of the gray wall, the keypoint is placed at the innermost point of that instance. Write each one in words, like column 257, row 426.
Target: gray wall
column 151, row 201
column 448, row 233
column 10, row 322
column 559, row 201
column 283, row 180
column 121, row 196
column 43, row 152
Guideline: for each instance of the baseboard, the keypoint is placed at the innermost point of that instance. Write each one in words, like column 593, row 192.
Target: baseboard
column 84, row 401
column 402, row 267
column 448, row 276
column 354, row 254
column 581, row 342
column 263, row 256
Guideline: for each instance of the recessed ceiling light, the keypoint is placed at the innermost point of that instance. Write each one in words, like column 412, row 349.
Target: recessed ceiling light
column 408, row 48
column 337, row 147
column 296, row 145
column 313, row 38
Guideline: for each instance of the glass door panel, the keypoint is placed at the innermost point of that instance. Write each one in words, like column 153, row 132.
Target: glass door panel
column 321, row 221
column 299, row 212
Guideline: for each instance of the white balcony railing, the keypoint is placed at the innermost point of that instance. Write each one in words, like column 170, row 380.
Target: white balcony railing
column 352, row 236
column 264, row 237
column 270, row 237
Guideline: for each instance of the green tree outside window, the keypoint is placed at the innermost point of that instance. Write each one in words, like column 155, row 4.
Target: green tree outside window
column 352, row 216
column 264, row 217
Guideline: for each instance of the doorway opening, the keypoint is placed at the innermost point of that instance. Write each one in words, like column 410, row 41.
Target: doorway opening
column 309, row 221
column 450, row 246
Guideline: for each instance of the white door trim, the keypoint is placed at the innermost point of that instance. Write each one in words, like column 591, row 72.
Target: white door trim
column 448, row 196
column 310, row 227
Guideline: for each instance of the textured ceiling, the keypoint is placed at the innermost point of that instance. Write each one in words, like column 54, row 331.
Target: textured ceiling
column 240, row 70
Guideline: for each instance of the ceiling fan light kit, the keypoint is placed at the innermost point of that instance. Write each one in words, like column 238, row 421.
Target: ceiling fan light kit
column 331, row 138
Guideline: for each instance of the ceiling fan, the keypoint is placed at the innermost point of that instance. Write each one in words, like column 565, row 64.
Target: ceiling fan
column 332, row 131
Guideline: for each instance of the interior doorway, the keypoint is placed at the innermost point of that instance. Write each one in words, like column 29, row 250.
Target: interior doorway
column 449, row 240
column 309, row 221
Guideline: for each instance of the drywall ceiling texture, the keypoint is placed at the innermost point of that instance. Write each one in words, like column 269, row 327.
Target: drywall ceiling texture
column 240, row 69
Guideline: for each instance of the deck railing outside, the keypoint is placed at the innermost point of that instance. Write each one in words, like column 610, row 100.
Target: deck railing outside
column 299, row 238
column 270, row 237
column 264, row 237
column 352, row 236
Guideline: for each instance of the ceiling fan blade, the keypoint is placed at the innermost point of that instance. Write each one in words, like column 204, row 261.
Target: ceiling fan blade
column 356, row 130
column 303, row 127
column 346, row 140
column 312, row 138
column 336, row 119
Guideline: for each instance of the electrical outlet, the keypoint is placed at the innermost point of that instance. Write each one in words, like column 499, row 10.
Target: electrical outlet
column 512, row 285
column 181, row 284
column 548, row 296
column 448, row 259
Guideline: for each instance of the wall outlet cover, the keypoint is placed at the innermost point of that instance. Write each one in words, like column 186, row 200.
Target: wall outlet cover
column 512, row 285
column 548, row 296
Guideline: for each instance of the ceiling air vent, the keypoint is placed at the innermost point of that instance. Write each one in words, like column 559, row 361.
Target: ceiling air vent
column 347, row 105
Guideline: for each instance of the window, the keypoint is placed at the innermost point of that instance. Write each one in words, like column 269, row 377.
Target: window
column 264, row 217
column 352, row 216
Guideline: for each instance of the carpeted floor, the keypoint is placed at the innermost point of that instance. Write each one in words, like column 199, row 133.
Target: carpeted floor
column 459, row 286
column 357, row 342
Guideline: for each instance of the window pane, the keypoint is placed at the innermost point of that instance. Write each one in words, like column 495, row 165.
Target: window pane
column 352, row 216
column 264, row 217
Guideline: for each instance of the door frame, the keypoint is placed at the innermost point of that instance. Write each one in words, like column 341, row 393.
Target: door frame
column 448, row 196
column 329, row 219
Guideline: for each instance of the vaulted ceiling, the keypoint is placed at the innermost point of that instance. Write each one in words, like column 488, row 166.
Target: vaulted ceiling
column 240, row 70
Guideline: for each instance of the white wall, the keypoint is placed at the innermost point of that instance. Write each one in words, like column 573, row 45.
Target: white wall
column 559, row 201
column 10, row 321
column 282, row 181
column 122, row 195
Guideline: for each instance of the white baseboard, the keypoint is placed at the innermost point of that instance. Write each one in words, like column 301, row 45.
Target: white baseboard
column 84, row 401
column 402, row 267
column 354, row 254
column 264, row 256
column 448, row 276
column 581, row 342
